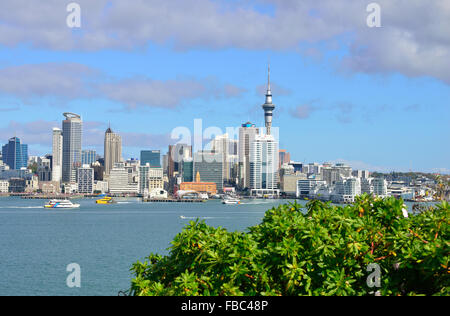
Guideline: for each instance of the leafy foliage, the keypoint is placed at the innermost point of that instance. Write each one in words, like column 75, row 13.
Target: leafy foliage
column 320, row 249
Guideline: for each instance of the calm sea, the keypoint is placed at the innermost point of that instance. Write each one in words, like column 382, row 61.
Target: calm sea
column 37, row 244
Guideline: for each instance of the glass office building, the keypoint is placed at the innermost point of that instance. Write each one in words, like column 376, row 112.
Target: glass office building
column 15, row 154
column 152, row 157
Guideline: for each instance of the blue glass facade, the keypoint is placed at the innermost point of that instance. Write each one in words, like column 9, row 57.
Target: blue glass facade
column 152, row 157
column 15, row 155
column 88, row 157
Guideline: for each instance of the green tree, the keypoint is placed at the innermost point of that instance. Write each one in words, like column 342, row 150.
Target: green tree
column 320, row 249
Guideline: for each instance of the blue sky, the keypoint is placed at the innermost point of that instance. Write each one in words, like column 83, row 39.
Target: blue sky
column 377, row 99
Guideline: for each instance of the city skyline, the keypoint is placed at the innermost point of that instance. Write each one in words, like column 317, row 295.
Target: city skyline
column 344, row 92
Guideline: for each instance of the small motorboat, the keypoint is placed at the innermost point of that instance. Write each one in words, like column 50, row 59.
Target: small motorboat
column 61, row 204
column 106, row 200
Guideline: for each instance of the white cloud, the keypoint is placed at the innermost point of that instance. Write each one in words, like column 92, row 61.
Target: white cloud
column 70, row 81
column 413, row 40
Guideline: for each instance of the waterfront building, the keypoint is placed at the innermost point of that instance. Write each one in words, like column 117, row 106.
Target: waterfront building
column 346, row 190
column 71, row 150
column 264, row 166
column 17, row 185
column 85, row 179
column 49, row 187
column 32, row 184
column 15, row 154
column 380, row 187
column 88, row 156
column 151, row 157
column 199, row 186
column 288, row 183
column 100, row 187
column 209, row 166
column 113, row 150
column 121, row 180
column 247, row 134
column 4, row 186
column 309, row 187
column 150, row 179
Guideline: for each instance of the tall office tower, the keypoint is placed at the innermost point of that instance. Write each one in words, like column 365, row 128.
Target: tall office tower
column 284, row 157
column 88, row 156
column 177, row 153
column 14, row 154
column 71, row 151
column 57, row 155
column 247, row 134
column 268, row 106
column 264, row 166
column 188, row 170
column 113, row 150
column 152, row 157
column 221, row 145
column 208, row 165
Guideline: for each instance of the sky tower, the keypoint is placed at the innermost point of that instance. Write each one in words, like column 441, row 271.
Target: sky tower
column 268, row 106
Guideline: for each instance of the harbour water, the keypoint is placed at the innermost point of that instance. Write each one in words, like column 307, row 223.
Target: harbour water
column 37, row 244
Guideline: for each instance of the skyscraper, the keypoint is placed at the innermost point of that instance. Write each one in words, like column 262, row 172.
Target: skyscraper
column 14, row 154
column 264, row 166
column 72, row 135
column 57, row 152
column 268, row 106
column 247, row 134
column 177, row 153
column 209, row 166
column 152, row 157
column 221, row 145
column 113, row 150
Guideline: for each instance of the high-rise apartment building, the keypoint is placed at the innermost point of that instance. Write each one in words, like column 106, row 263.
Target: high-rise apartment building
column 113, row 150
column 85, row 179
column 72, row 135
column 247, row 134
column 15, row 154
column 264, row 166
column 57, row 153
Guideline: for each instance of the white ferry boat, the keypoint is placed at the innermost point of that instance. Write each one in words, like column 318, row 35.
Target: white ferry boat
column 61, row 204
column 231, row 201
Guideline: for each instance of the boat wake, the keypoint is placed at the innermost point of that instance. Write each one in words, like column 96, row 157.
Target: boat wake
column 21, row 207
column 193, row 217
